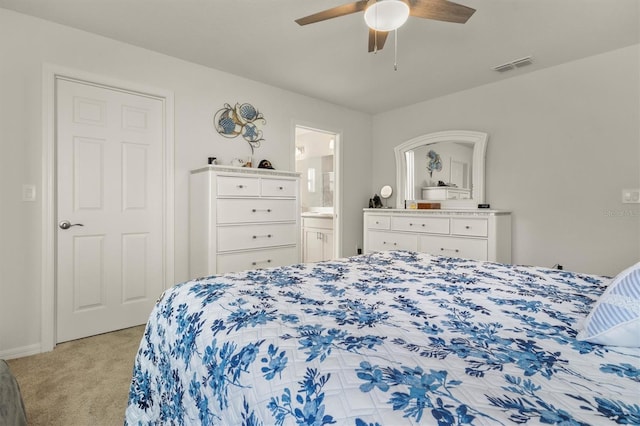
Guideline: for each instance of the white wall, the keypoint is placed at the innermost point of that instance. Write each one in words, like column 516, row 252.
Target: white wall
column 563, row 143
column 27, row 43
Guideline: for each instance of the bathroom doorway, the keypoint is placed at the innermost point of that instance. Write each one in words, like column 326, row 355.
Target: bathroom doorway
column 316, row 159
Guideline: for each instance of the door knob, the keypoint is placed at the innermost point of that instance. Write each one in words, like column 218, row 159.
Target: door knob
column 65, row 224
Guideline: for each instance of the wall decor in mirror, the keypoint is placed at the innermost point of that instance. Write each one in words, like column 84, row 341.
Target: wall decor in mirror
column 444, row 166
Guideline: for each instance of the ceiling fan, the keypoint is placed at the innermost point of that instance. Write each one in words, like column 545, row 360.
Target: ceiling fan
column 383, row 16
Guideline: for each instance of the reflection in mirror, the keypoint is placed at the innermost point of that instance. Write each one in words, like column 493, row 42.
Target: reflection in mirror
column 441, row 171
column 444, row 166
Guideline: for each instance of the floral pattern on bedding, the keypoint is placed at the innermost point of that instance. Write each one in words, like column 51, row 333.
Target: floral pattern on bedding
column 388, row 338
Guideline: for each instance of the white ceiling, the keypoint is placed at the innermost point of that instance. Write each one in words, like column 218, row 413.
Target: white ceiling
column 259, row 40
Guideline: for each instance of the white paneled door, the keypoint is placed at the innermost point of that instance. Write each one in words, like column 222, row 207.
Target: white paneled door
column 109, row 208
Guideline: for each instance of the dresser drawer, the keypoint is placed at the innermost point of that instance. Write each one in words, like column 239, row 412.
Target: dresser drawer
column 433, row 225
column 470, row 227
column 278, row 187
column 379, row 241
column 468, row 248
column 379, row 222
column 238, row 210
column 256, row 236
column 266, row 258
column 238, row 186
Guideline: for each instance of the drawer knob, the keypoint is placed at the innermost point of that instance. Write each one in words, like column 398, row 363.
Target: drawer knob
column 260, row 261
column 467, row 227
column 261, row 210
column 261, row 236
column 240, row 186
column 281, row 188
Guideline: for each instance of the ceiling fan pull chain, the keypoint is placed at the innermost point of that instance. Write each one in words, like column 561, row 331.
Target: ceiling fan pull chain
column 395, row 50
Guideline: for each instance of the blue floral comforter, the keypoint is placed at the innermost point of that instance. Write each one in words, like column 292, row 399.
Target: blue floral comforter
column 390, row 338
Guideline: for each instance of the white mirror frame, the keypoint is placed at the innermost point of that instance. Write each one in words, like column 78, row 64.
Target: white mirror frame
column 479, row 141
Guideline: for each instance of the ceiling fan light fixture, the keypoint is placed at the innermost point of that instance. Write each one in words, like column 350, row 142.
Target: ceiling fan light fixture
column 386, row 15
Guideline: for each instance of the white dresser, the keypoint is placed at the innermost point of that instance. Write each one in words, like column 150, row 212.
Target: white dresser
column 472, row 234
column 242, row 218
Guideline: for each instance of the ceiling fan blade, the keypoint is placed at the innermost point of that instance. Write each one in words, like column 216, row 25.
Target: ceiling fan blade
column 380, row 35
column 441, row 10
column 345, row 9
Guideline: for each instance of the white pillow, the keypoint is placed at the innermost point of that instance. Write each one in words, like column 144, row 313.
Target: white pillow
column 615, row 318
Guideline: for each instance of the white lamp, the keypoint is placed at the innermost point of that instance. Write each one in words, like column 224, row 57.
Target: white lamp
column 386, row 15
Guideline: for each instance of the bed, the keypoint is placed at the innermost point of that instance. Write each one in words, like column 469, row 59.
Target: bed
column 388, row 338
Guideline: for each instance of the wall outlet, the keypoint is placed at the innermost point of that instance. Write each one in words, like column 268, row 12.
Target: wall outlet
column 28, row 192
column 630, row 196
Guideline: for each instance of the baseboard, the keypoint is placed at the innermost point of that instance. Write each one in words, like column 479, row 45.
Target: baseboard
column 21, row 352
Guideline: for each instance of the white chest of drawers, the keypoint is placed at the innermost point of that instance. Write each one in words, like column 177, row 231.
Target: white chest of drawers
column 242, row 218
column 472, row 234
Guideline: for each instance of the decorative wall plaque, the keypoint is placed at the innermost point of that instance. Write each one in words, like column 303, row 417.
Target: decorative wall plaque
column 241, row 119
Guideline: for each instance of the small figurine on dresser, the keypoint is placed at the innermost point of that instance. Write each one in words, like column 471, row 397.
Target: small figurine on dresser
column 375, row 202
column 265, row 164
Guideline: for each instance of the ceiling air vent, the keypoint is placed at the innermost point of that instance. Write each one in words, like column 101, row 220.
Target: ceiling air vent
column 503, row 67
column 516, row 63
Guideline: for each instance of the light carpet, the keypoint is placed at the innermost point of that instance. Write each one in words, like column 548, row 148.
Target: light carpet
column 82, row 382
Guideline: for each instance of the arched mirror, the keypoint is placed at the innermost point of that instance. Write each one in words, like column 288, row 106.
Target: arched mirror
column 445, row 167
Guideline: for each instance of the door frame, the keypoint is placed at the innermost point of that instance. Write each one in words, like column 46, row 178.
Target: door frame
column 337, row 169
column 50, row 74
